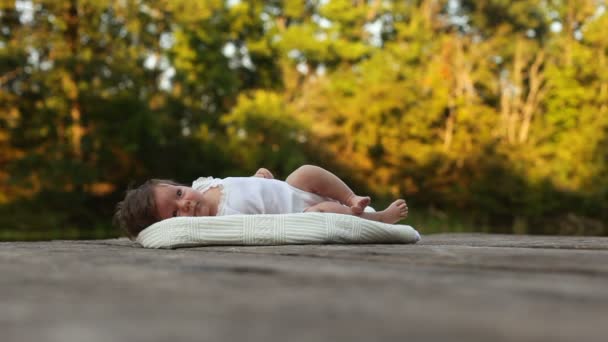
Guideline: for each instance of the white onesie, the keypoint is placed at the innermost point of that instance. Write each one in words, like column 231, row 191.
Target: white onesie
column 256, row 195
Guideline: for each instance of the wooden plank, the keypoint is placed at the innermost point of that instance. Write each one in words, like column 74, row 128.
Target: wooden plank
column 452, row 286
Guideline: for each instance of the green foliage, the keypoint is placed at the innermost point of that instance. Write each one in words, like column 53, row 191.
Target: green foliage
column 260, row 132
column 487, row 115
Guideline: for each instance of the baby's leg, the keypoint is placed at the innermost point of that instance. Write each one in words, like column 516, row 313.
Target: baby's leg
column 324, row 183
column 330, row 207
column 394, row 213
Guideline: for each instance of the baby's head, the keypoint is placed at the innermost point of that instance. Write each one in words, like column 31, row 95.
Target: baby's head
column 138, row 210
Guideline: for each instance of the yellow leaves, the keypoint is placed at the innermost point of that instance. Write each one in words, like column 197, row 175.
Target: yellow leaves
column 134, row 26
column 304, row 39
column 350, row 50
column 157, row 101
column 69, row 86
column 260, row 103
column 7, row 4
column 203, row 133
column 101, row 188
column 343, row 10
column 260, row 47
column 86, row 54
column 295, row 9
column 176, row 91
column 185, row 56
column 261, row 130
column 193, row 11
column 12, row 117
column 240, row 16
column 595, row 30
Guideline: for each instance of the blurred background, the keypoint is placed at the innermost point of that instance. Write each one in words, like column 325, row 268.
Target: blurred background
column 487, row 115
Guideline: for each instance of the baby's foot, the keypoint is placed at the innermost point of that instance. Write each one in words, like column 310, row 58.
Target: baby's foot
column 358, row 203
column 395, row 212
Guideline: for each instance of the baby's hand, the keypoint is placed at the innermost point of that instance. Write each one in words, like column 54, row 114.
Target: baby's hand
column 264, row 173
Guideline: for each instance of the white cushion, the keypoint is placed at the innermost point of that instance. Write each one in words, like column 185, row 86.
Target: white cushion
column 282, row 229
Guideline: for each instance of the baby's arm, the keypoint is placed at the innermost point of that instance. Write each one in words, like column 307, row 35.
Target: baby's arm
column 263, row 173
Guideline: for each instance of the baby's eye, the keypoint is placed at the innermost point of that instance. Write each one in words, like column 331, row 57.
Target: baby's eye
column 179, row 192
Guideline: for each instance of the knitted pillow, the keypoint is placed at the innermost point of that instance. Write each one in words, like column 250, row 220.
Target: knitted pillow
column 283, row 229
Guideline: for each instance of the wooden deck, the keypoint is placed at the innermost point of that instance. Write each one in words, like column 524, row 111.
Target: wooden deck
column 452, row 287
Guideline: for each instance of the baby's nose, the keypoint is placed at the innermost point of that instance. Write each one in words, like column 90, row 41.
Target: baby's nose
column 185, row 205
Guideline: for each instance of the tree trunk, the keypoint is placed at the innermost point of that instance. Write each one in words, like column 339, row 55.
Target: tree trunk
column 535, row 93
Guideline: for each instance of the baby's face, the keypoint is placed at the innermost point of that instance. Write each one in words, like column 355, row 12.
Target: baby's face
column 173, row 201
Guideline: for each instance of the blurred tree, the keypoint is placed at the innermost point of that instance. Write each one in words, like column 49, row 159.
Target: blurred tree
column 493, row 108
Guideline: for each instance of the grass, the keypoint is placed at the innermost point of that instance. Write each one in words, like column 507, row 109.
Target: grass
column 429, row 222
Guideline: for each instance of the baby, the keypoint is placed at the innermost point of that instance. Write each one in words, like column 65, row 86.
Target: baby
column 307, row 189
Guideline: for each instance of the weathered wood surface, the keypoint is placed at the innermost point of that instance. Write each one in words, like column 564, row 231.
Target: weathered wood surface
column 452, row 287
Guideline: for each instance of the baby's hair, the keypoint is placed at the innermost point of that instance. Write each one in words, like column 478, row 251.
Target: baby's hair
column 138, row 210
